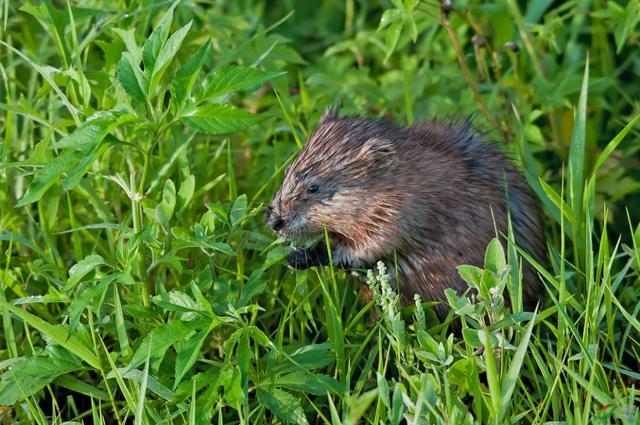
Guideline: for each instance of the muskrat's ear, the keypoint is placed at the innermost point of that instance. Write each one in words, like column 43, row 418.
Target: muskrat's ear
column 379, row 150
column 332, row 113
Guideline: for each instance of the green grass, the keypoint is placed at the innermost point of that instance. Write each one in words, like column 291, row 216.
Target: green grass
column 141, row 141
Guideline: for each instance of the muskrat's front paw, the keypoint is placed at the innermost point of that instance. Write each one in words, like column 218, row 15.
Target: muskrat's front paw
column 298, row 259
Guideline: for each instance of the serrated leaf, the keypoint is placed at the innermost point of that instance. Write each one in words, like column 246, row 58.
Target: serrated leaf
column 167, row 53
column 223, row 247
column 233, row 393
column 186, row 76
column 90, row 133
column 160, row 339
column 153, row 45
column 308, row 382
column 79, row 170
column 187, row 354
column 219, row 119
column 129, row 39
column 234, row 78
column 49, row 175
column 29, row 375
column 282, row 404
column 131, row 78
column 176, row 301
column 81, row 268
column 392, row 37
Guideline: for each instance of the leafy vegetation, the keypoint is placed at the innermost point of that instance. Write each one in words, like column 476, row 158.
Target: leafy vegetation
column 141, row 141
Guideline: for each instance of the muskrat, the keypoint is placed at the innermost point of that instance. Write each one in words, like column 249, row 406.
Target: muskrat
column 423, row 199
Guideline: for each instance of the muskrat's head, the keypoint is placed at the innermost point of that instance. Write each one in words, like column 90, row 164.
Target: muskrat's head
column 337, row 179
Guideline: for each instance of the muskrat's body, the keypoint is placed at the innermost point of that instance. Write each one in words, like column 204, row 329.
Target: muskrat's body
column 423, row 199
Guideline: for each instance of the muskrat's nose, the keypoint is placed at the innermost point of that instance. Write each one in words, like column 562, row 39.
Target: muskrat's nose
column 274, row 220
column 276, row 223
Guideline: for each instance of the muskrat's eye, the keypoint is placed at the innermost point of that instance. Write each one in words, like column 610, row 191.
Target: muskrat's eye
column 313, row 188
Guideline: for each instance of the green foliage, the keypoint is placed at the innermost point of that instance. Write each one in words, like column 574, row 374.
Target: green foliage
column 140, row 142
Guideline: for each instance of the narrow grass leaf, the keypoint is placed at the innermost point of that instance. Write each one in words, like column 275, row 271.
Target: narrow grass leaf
column 577, row 149
column 613, row 145
column 513, row 374
column 58, row 333
column 602, row 397
column 139, row 417
column 74, row 384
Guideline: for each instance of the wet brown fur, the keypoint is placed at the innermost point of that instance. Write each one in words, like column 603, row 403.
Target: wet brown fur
column 425, row 196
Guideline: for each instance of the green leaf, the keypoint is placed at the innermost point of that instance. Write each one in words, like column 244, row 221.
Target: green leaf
column 234, row 78
column 238, row 210
column 185, row 78
column 81, row 268
column 613, row 144
column 129, row 38
column 392, row 37
column 282, row 404
column 577, row 149
column 511, row 379
column 187, row 354
column 185, row 193
column 76, row 385
column 131, row 78
column 49, row 175
column 307, row 382
column 275, row 255
column 397, row 405
column 166, row 55
column 219, row 119
column 557, row 200
column 58, row 333
column 157, row 39
column 494, row 258
column 383, row 390
column 138, row 376
column 164, row 210
column 76, row 173
column 471, row 274
column 160, row 339
column 233, row 393
column 90, row 133
column 29, row 375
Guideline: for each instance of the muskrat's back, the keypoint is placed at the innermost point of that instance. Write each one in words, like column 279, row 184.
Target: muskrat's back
column 424, row 199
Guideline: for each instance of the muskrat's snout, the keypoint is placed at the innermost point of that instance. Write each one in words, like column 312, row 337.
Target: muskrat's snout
column 274, row 220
